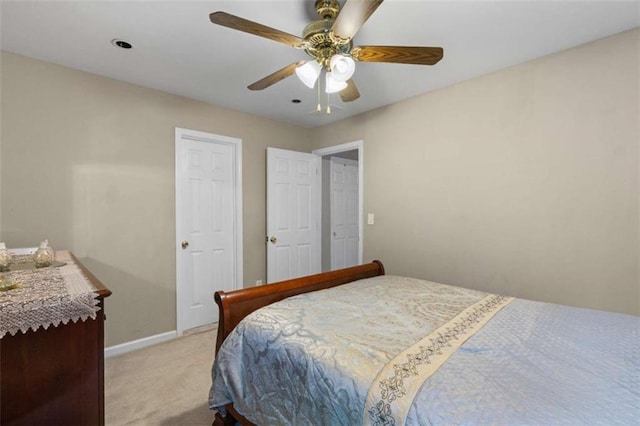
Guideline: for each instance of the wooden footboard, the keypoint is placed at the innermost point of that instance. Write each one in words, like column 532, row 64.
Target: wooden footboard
column 235, row 305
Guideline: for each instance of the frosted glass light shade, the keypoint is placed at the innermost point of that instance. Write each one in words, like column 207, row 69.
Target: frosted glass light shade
column 342, row 67
column 308, row 73
column 334, row 86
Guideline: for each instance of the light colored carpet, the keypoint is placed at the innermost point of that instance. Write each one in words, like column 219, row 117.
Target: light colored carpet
column 166, row 384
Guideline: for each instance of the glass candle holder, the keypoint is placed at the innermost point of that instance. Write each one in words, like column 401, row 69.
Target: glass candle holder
column 44, row 256
column 5, row 258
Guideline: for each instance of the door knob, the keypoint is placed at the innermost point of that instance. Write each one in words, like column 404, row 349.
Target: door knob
column 273, row 239
column 185, row 244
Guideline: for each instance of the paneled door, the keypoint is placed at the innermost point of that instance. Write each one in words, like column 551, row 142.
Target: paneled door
column 208, row 224
column 345, row 233
column 293, row 214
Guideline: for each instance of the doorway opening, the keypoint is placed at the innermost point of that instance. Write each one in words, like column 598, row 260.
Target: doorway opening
column 342, row 205
column 296, row 211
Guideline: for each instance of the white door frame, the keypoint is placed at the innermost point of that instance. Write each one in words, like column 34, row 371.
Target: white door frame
column 236, row 144
column 351, row 146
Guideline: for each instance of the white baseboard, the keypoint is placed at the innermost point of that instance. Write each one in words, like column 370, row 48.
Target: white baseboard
column 139, row 344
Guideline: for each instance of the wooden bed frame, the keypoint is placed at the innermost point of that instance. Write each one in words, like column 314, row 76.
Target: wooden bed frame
column 235, row 305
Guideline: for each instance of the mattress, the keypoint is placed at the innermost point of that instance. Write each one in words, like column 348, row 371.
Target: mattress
column 398, row 350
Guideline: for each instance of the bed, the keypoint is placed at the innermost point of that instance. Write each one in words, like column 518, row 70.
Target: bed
column 356, row 346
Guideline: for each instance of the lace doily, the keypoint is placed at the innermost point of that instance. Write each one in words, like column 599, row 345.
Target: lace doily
column 47, row 296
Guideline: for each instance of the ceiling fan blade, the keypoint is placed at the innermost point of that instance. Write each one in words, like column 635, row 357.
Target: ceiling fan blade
column 352, row 16
column 271, row 79
column 351, row 93
column 398, row 54
column 241, row 24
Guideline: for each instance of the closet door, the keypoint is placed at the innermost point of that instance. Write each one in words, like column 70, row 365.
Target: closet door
column 344, row 213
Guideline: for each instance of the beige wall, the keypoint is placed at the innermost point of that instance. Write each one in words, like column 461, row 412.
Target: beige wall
column 522, row 182
column 88, row 162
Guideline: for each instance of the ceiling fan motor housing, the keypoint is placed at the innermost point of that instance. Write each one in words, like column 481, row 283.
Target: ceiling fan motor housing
column 319, row 43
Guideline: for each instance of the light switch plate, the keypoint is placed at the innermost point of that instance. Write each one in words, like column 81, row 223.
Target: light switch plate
column 370, row 219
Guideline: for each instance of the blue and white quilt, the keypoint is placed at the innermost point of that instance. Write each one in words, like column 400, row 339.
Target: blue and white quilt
column 395, row 350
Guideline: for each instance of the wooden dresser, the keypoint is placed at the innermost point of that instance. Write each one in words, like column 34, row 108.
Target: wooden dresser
column 55, row 376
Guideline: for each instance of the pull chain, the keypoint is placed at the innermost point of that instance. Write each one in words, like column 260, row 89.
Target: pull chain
column 319, row 106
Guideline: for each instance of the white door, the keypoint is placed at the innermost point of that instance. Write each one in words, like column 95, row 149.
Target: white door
column 208, row 224
column 344, row 213
column 293, row 214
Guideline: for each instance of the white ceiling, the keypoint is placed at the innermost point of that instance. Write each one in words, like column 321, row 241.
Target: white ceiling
column 177, row 50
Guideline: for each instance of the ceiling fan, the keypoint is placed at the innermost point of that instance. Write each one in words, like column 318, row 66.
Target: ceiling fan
column 329, row 41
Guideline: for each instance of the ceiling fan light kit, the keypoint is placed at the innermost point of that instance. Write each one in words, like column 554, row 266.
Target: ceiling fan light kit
column 329, row 41
column 341, row 69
